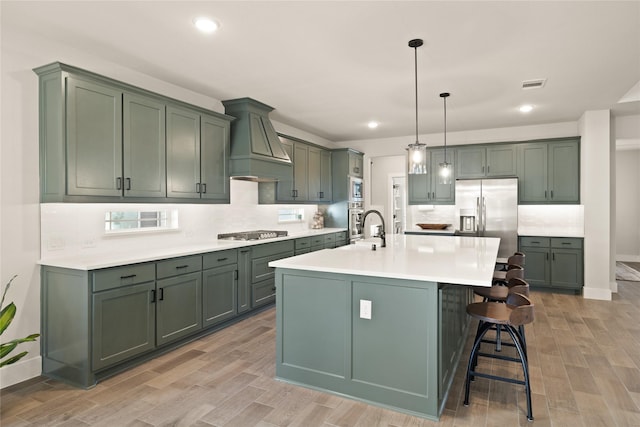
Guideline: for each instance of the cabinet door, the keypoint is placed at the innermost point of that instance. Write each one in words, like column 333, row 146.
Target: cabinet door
column 214, row 158
column 183, row 153
column 123, row 324
column 284, row 188
column 537, row 271
column 300, row 171
column 326, row 181
column 314, row 173
column 532, row 173
column 566, row 268
column 356, row 165
column 94, row 139
column 244, row 280
column 441, row 193
column 471, row 162
column 564, row 172
column 219, row 293
column 501, row 160
column 419, row 189
column 144, row 147
column 178, row 307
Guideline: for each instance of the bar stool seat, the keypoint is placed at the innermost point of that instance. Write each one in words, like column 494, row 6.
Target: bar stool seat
column 500, row 293
column 512, row 315
column 501, row 277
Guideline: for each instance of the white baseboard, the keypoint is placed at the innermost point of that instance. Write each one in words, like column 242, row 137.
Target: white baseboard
column 596, row 293
column 20, row 371
column 627, row 258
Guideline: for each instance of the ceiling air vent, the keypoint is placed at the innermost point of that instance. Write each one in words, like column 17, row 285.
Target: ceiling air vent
column 533, row 84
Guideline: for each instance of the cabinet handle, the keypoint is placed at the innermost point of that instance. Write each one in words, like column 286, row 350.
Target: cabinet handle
column 130, row 276
column 321, row 194
column 235, row 276
column 198, row 187
column 545, row 194
column 204, row 188
column 153, row 295
column 433, row 194
column 161, row 297
column 245, row 251
column 222, row 259
column 553, row 256
column 118, row 183
column 536, row 243
column 488, row 168
column 546, row 256
column 128, row 183
column 356, row 169
column 552, row 194
column 482, row 169
column 180, row 267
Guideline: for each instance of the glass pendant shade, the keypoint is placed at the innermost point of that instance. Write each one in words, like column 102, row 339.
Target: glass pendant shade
column 417, row 159
column 444, row 175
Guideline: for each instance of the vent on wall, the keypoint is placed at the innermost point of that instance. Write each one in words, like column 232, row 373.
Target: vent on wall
column 533, row 84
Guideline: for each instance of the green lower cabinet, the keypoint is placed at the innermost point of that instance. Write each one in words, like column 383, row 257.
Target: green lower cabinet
column 554, row 263
column 403, row 356
column 178, row 307
column 219, row 294
column 244, row 280
column 124, row 324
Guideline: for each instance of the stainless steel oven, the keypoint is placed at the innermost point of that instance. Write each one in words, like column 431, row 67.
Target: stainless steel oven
column 356, row 190
column 355, row 221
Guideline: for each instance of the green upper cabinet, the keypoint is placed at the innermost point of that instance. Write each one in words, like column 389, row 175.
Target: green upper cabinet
column 497, row 160
column 103, row 141
column 311, row 177
column 427, row 189
column 549, row 172
column 94, row 139
column 345, row 163
column 144, row 156
column 356, row 164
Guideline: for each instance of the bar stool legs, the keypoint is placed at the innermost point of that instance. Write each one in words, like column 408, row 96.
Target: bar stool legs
column 518, row 341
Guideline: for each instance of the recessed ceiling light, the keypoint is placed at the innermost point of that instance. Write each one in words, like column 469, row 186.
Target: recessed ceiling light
column 372, row 125
column 526, row 108
column 206, row 25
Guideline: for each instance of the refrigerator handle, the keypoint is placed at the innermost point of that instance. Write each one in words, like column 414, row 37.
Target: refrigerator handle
column 484, row 214
column 479, row 213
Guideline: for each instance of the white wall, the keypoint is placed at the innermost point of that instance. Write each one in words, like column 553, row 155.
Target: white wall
column 628, row 205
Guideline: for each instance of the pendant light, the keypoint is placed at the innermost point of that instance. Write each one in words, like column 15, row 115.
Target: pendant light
column 445, row 168
column 417, row 152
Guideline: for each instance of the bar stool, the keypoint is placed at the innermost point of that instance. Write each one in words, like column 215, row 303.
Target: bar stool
column 516, row 259
column 501, row 277
column 517, row 311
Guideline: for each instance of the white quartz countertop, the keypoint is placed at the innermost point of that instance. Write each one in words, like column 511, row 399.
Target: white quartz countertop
column 446, row 259
column 93, row 260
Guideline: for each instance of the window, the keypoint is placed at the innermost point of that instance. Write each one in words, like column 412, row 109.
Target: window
column 131, row 221
column 290, row 215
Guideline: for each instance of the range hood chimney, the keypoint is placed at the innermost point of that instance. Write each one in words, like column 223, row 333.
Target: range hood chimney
column 256, row 151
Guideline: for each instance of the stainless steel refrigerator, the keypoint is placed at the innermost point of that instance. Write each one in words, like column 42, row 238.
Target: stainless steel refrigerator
column 489, row 208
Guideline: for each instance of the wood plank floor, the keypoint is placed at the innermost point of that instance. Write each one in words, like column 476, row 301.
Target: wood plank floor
column 584, row 360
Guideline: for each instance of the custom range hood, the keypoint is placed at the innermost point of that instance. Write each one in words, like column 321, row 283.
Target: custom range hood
column 256, row 151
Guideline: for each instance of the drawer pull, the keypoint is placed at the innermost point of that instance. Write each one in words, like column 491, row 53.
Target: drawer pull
column 566, row 243
column 180, row 267
column 222, row 259
column 273, row 289
column 130, row 276
column 537, row 243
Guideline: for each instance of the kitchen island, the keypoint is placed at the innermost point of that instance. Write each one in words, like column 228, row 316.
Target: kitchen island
column 384, row 326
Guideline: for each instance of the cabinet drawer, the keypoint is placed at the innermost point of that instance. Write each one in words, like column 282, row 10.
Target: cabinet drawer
column 263, row 293
column 260, row 269
column 317, row 241
column 174, row 267
column 303, row 243
column 566, row 242
column 273, row 248
column 330, row 238
column 341, row 236
column 542, row 242
column 220, row 258
column 111, row 278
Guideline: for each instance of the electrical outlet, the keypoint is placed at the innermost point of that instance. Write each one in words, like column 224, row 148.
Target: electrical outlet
column 56, row 244
column 365, row 309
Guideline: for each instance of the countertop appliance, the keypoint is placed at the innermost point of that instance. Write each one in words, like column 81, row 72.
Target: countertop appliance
column 253, row 235
column 489, row 208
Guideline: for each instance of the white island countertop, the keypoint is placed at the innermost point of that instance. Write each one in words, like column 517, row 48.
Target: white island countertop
column 445, row 259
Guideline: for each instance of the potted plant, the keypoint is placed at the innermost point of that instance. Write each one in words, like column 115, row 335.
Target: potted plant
column 6, row 317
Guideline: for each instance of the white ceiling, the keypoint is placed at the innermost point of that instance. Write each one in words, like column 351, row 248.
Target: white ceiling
column 329, row 67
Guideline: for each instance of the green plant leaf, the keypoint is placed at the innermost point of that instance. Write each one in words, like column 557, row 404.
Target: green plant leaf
column 7, row 348
column 6, row 288
column 14, row 359
column 6, row 316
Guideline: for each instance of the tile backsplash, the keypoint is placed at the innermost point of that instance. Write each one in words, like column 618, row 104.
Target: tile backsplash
column 68, row 229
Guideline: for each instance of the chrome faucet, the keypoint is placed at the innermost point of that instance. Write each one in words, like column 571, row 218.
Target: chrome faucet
column 382, row 232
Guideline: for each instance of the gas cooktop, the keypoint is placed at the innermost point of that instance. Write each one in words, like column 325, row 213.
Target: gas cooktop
column 252, row 235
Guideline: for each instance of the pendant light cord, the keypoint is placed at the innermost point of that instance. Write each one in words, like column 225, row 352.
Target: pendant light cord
column 415, row 50
column 445, row 129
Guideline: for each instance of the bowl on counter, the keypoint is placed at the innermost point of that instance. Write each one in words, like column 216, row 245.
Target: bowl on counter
column 433, row 226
